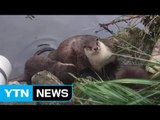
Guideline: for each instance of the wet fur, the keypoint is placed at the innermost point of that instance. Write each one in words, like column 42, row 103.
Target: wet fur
column 74, row 50
column 37, row 63
column 133, row 72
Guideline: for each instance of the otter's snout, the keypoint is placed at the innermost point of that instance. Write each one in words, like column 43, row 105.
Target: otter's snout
column 96, row 48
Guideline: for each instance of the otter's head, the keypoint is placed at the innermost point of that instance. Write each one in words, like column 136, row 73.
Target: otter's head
column 97, row 53
column 92, row 46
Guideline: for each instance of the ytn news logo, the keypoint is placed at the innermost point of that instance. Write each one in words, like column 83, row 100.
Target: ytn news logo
column 33, row 93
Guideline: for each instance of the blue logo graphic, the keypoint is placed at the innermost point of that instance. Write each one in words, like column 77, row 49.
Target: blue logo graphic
column 16, row 93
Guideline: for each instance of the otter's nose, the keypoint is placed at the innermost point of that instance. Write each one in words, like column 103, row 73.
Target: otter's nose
column 96, row 48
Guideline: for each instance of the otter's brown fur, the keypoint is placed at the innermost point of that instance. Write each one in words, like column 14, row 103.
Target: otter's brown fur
column 133, row 72
column 72, row 50
column 37, row 63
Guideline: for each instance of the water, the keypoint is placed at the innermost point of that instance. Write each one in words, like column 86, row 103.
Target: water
column 20, row 35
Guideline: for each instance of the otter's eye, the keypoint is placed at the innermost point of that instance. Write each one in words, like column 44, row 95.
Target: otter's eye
column 97, row 43
column 97, row 39
column 84, row 46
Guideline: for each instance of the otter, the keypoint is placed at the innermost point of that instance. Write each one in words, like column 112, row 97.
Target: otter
column 74, row 55
column 88, row 53
column 85, row 52
column 133, row 72
column 37, row 63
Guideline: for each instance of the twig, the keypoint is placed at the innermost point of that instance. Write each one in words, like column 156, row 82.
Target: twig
column 117, row 21
column 105, row 26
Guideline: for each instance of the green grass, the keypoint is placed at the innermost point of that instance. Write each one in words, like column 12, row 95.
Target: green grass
column 116, row 92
